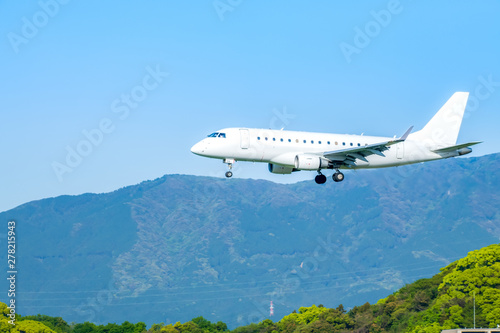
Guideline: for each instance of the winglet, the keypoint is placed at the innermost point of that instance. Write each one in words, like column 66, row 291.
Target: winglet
column 403, row 138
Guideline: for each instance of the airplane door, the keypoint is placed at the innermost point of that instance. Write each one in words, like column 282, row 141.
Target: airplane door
column 244, row 139
column 400, row 150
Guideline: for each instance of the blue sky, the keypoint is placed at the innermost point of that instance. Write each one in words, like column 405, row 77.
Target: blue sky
column 195, row 67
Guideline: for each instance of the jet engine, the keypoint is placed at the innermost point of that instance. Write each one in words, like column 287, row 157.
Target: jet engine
column 282, row 170
column 464, row 151
column 310, row 162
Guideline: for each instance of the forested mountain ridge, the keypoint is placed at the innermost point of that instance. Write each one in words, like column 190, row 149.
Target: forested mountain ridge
column 181, row 245
column 444, row 301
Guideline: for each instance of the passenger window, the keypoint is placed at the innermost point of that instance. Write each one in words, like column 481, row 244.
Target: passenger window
column 312, row 141
column 319, row 142
column 304, row 141
column 274, row 139
column 343, row 143
column 281, row 139
column 258, row 138
column 359, row 144
column 351, row 143
column 289, row 140
column 328, row 142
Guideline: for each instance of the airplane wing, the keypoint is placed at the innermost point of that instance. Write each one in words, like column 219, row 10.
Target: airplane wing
column 350, row 155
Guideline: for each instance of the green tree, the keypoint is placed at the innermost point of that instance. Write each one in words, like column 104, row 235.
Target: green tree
column 156, row 327
column 30, row 326
column 208, row 326
column 188, row 327
column 55, row 323
column 169, row 329
column 86, row 327
column 127, row 327
column 456, row 315
column 140, row 327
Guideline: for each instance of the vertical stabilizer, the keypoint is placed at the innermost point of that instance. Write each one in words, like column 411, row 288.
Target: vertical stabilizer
column 442, row 130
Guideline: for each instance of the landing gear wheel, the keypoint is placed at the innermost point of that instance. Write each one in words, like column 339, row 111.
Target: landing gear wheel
column 229, row 162
column 320, row 179
column 338, row 176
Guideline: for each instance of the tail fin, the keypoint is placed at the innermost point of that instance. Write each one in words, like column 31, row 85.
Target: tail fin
column 442, row 130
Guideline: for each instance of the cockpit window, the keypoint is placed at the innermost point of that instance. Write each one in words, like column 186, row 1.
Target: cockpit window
column 217, row 135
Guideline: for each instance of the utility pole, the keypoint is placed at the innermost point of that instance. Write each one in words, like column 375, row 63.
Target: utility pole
column 474, row 309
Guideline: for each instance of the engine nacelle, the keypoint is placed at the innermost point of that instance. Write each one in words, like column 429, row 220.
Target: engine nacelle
column 310, row 162
column 464, row 151
column 279, row 169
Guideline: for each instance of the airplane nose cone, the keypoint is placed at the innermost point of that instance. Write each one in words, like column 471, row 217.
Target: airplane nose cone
column 197, row 149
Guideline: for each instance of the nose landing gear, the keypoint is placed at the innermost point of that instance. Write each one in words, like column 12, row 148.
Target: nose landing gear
column 229, row 162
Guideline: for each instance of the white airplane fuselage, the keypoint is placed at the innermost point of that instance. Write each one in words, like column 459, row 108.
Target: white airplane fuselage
column 288, row 151
column 281, row 147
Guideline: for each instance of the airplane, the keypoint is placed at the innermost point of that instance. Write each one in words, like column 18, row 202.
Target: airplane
column 290, row 151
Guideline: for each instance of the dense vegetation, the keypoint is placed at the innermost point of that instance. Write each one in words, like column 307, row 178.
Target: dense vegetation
column 427, row 305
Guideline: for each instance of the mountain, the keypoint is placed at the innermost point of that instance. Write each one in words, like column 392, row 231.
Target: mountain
column 464, row 294
column 163, row 250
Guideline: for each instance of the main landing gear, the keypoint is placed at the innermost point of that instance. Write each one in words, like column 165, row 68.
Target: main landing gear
column 229, row 162
column 321, row 178
column 338, row 176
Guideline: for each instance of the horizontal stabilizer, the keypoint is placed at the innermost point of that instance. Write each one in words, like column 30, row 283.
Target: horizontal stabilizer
column 456, row 147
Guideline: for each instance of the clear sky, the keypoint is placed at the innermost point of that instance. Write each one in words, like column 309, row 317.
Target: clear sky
column 132, row 85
